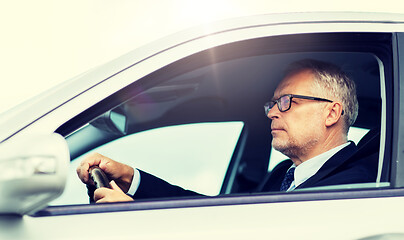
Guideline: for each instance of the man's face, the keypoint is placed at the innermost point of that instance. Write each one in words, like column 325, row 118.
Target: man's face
column 298, row 130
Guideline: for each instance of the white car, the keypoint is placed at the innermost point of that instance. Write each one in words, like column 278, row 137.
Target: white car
column 189, row 109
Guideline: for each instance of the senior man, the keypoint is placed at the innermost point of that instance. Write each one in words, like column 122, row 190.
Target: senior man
column 311, row 112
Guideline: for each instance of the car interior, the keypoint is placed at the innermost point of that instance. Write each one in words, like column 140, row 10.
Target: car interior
column 231, row 83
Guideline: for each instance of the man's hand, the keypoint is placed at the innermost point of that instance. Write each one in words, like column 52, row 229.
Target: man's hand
column 121, row 173
column 115, row 194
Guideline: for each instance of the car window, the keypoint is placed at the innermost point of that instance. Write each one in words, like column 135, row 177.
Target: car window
column 193, row 156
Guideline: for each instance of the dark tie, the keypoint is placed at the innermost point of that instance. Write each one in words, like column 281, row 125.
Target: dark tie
column 288, row 179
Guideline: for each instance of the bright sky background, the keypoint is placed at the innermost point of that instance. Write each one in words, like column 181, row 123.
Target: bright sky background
column 45, row 42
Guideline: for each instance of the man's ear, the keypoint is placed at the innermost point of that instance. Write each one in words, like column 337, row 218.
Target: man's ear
column 333, row 113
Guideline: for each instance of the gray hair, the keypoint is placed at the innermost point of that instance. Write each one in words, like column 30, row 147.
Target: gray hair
column 331, row 82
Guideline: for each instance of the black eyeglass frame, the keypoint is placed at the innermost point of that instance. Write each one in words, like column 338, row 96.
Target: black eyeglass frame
column 269, row 105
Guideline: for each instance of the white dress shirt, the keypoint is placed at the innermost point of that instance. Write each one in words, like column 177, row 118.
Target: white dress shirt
column 135, row 182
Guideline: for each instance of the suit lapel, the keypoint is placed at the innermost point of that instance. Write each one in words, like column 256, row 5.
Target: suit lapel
column 334, row 162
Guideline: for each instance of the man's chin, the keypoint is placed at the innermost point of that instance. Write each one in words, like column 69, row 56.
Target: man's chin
column 285, row 150
column 279, row 145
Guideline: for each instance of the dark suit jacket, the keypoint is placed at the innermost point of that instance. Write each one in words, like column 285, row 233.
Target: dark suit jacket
column 345, row 167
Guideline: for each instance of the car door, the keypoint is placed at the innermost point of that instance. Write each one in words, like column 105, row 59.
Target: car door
column 226, row 77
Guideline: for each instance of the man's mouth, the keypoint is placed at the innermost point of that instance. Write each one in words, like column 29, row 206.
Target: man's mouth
column 276, row 129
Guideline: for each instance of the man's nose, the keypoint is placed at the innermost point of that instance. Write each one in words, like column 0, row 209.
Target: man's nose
column 273, row 112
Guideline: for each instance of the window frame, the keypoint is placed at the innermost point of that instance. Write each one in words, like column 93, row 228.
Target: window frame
column 242, row 199
column 397, row 148
column 218, row 201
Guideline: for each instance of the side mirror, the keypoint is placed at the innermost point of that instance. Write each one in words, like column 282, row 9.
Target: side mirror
column 33, row 172
column 112, row 121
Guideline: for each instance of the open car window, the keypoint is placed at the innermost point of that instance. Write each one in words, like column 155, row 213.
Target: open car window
column 226, row 87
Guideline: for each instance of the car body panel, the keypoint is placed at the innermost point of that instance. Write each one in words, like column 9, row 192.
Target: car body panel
column 293, row 220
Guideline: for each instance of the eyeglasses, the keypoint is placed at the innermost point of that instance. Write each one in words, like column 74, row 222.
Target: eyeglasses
column 285, row 101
